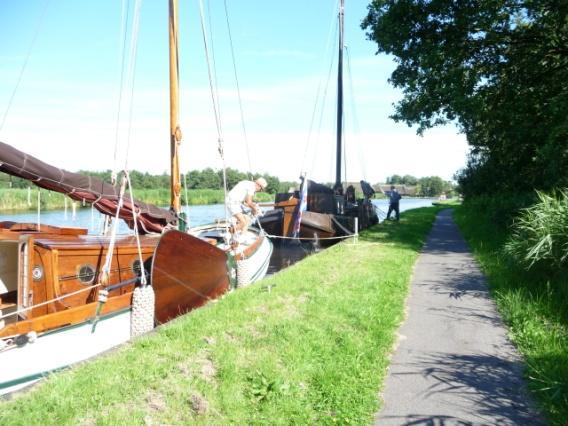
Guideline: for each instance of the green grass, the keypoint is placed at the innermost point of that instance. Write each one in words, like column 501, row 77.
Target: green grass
column 533, row 303
column 18, row 199
column 451, row 202
column 309, row 345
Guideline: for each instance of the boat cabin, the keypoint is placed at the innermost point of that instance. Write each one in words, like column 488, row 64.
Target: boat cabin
column 56, row 270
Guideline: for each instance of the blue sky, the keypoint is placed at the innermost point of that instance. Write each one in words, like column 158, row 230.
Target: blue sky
column 65, row 108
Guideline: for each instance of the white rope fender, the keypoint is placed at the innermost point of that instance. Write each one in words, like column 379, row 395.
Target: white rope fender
column 142, row 319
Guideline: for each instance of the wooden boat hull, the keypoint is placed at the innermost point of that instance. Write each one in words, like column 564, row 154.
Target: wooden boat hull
column 328, row 217
column 186, row 272
column 252, row 256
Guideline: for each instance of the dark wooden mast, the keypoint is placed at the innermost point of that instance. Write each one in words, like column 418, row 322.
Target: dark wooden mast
column 339, row 99
column 175, row 131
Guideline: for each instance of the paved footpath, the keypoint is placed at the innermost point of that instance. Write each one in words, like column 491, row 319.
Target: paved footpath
column 454, row 364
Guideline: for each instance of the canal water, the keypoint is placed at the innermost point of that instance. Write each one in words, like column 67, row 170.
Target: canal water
column 284, row 254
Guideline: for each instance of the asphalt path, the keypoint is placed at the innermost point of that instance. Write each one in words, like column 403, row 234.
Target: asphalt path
column 454, row 364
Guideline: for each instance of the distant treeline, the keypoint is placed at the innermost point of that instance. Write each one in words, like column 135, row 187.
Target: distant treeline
column 429, row 186
column 155, row 188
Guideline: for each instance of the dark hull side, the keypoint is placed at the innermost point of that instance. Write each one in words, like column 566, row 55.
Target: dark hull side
column 327, row 218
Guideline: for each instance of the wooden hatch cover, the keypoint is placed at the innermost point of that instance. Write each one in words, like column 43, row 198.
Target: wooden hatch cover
column 186, row 273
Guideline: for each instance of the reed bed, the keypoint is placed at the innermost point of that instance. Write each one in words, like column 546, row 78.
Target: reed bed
column 23, row 199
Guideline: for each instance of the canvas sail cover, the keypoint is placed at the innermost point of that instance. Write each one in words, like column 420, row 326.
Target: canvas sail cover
column 103, row 196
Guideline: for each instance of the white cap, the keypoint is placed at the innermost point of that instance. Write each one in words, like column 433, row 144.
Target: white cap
column 261, row 182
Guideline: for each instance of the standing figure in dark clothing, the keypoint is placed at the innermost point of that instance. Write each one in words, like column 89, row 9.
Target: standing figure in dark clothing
column 368, row 191
column 394, row 198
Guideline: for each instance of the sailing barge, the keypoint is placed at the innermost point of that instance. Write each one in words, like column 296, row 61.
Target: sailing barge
column 66, row 296
column 327, row 214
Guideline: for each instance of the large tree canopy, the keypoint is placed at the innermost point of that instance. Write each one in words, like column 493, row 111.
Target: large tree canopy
column 497, row 68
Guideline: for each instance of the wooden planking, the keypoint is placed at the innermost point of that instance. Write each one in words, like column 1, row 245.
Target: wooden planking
column 186, row 273
column 71, row 316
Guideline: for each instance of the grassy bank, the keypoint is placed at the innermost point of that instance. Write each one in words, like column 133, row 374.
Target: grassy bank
column 309, row 345
column 20, row 199
column 533, row 303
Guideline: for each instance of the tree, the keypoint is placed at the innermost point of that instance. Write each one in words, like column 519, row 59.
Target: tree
column 431, row 186
column 394, row 180
column 497, row 68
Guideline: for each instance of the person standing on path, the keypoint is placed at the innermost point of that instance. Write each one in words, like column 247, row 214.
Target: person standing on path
column 394, row 198
column 240, row 197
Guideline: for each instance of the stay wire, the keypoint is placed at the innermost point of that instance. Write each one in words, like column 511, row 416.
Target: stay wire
column 125, row 12
column 323, row 104
column 354, row 114
column 318, row 90
column 215, row 108
column 213, row 61
column 25, row 64
column 132, row 74
column 238, row 90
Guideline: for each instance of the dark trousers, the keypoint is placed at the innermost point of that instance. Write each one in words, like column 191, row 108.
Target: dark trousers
column 393, row 206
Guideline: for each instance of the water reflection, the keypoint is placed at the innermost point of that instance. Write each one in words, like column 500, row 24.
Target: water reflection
column 288, row 252
column 285, row 253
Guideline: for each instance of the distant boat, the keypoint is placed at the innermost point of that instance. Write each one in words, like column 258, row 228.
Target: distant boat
column 329, row 213
column 59, row 304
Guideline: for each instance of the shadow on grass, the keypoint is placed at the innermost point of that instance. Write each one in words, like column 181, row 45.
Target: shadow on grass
column 494, row 384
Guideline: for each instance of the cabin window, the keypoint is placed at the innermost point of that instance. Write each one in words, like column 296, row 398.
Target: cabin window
column 86, row 274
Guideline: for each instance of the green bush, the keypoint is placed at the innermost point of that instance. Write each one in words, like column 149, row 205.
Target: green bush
column 499, row 209
column 540, row 233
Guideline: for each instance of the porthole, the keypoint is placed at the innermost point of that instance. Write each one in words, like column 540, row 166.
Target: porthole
column 86, row 274
column 37, row 273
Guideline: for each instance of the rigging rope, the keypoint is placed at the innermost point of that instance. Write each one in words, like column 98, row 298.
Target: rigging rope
column 214, row 67
column 354, row 114
column 238, row 90
column 132, row 74
column 330, row 69
column 122, row 59
column 24, row 66
column 136, row 233
column 215, row 106
column 326, row 52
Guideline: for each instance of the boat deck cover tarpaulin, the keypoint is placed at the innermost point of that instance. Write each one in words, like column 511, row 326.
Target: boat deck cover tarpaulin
column 103, row 196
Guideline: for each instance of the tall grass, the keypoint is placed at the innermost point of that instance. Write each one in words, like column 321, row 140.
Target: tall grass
column 540, row 233
column 534, row 304
column 22, row 199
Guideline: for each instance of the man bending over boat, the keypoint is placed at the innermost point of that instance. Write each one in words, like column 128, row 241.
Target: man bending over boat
column 240, row 198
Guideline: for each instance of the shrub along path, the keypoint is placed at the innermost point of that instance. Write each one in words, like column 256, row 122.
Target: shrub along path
column 454, row 362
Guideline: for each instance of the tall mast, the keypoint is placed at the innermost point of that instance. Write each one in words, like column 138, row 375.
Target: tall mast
column 175, row 131
column 339, row 98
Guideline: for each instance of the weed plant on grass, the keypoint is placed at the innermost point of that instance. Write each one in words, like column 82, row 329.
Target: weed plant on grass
column 309, row 345
column 533, row 303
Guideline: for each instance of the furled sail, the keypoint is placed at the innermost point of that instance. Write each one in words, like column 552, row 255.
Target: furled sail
column 103, row 196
